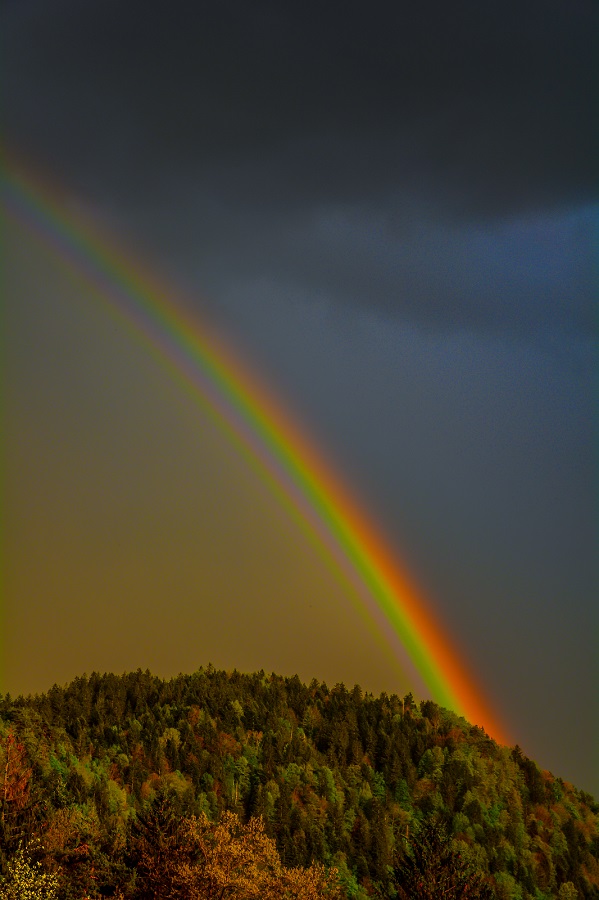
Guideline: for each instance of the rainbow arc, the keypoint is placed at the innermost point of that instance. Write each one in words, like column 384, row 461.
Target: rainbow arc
column 268, row 436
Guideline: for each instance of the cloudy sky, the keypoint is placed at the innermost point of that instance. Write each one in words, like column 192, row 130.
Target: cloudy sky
column 390, row 210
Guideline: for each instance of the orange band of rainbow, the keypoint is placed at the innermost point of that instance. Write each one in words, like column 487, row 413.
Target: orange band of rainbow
column 270, row 439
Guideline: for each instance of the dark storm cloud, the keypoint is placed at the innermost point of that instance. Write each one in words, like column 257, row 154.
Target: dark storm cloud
column 394, row 156
column 527, row 275
column 496, row 99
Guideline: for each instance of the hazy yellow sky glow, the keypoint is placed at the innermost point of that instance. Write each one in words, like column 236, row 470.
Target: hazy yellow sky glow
column 136, row 534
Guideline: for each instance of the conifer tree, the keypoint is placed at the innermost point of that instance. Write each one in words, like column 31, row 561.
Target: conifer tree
column 155, row 847
column 430, row 868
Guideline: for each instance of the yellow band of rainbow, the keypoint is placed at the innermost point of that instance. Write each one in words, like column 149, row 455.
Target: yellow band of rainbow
column 272, row 441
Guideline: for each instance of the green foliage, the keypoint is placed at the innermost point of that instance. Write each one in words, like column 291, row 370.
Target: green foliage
column 337, row 776
column 567, row 891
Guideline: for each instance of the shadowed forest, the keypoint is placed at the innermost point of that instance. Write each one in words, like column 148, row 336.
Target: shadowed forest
column 222, row 784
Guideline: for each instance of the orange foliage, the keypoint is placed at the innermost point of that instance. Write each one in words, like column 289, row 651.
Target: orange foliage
column 226, row 743
column 16, row 775
column 238, row 862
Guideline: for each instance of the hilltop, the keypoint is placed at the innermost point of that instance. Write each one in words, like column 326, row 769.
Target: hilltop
column 336, row 776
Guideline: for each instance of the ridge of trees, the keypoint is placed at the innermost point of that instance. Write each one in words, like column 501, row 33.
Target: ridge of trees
column 106, row 781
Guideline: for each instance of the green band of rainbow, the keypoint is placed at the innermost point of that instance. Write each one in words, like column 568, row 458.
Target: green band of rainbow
column 272, row 442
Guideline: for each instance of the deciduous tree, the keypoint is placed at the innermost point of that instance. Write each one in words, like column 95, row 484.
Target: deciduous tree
column 26, row 880
column 231, row 860
column 15, row 794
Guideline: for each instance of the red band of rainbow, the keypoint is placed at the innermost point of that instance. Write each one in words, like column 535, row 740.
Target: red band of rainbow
column 273, row 443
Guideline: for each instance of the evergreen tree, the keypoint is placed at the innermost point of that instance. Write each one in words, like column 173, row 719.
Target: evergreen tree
column 156, row 847
column 429, row 869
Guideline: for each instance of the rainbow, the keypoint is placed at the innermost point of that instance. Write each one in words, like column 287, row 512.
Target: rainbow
column 271, row 441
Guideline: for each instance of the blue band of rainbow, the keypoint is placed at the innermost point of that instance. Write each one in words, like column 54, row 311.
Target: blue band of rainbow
column 275, row 446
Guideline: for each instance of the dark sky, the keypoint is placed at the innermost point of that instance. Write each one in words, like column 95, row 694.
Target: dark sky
column 391, row 209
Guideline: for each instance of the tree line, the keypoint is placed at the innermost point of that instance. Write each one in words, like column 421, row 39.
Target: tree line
column 339, row 786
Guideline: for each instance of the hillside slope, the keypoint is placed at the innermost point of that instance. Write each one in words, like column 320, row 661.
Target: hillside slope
column 337, row 776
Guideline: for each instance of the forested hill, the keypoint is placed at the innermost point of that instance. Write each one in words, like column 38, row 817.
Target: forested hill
column 337, row 776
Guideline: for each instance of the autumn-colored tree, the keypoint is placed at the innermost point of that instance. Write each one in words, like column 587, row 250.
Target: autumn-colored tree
column 430, row 868
column 26, row 880
column 15, row 799
column 230, row 860
column 313, row 883
column 72, row 839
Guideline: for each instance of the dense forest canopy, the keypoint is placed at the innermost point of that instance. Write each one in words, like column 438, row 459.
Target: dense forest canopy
column 133, row 786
